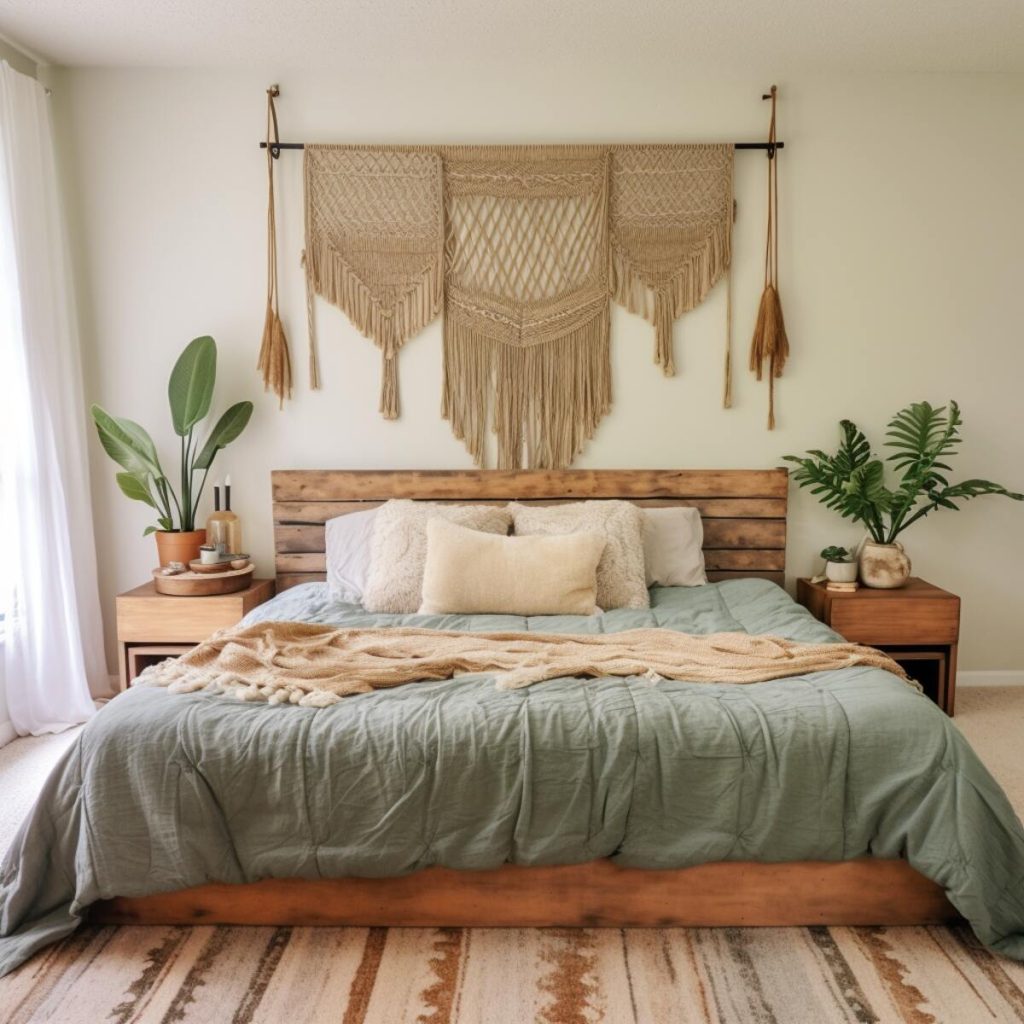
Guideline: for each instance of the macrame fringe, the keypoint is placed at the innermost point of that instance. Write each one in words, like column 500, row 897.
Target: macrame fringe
column 664, row 304
column 770, row 345
column 328, row 274
column 544, row 400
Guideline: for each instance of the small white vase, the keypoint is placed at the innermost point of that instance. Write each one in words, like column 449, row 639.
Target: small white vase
column 883, row 566
column 841, row 572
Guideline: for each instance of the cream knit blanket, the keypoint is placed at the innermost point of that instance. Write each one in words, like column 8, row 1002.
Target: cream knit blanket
column 316, row 665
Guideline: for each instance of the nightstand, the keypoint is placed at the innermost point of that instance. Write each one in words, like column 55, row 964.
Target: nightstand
column 152, row 626
column 917, row 625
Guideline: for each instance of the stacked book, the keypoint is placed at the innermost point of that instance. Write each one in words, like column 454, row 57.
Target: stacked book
column 842, row 587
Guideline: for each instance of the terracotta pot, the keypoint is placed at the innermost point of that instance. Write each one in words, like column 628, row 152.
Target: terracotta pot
column 883, row 566
column 176, row 546
column 841, row 572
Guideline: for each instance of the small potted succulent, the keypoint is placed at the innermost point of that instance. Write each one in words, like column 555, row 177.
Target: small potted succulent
column 840, row 565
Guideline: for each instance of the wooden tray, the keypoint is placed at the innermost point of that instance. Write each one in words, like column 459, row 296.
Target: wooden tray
column 194, row 584
column 218, row 567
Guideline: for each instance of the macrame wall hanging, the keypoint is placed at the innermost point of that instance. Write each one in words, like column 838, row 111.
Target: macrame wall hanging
column 374, row 246
column 671, row 235
column 526, row 300
column 524, row 247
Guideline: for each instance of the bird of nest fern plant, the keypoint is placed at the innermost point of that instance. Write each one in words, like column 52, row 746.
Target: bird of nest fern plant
column 852, row 482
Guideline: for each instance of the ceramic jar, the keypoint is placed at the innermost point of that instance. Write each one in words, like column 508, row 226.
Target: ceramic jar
column 883, row 566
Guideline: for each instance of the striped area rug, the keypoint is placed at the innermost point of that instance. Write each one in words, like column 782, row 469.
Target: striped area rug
column 229, row 975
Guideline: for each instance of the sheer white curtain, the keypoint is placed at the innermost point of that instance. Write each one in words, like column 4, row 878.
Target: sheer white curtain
column 52, row 639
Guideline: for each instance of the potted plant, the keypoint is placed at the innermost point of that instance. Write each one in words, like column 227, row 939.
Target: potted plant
column 840, row 565
column 853, row 483
column 189, row 392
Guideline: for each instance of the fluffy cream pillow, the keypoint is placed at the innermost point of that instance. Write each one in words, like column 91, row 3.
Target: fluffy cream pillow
column 399, row 548
column 673, row 547
column 468, row 571
column 620, row 573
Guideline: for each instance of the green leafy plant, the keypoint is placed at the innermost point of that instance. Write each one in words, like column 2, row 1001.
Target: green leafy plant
column 190, row 393
column 852, row 482
column 835, row 554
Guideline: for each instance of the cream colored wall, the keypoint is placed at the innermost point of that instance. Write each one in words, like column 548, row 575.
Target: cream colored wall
column 902, row 272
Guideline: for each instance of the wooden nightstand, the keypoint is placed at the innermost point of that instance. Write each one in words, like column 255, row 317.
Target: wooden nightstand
column 152, row 626
column 917, row 625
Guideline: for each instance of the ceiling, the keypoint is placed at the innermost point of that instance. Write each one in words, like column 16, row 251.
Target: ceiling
column 790, row 35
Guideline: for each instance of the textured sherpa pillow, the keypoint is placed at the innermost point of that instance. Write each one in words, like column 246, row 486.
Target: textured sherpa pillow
column 398, row 551
column 621, row 582
column 471, row 572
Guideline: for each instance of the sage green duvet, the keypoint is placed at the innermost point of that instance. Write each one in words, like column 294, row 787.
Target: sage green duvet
column 165, row 791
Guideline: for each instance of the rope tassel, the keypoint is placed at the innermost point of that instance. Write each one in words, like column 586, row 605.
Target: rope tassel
column 770, row 343
column 274, row 362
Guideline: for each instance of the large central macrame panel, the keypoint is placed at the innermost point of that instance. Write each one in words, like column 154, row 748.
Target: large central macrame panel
column 671, row 231
column 526, row 300
column 374, row 242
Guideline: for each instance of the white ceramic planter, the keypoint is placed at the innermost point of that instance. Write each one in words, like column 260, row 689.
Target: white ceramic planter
column 841, row 572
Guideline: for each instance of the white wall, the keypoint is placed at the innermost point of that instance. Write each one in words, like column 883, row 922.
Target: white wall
column 902, row 268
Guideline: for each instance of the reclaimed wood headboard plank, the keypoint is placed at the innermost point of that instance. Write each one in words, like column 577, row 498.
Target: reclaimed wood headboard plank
column 743, row 511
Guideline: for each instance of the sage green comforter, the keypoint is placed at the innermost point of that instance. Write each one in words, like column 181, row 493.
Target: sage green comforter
column 164, row 791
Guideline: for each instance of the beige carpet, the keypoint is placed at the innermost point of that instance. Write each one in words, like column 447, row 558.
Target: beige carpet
column 554, row 976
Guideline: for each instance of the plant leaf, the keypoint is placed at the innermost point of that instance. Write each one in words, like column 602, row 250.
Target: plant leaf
column 228, row 427
column 149, row 529
column 190, row 389
column 135, row 487
column 126, row 443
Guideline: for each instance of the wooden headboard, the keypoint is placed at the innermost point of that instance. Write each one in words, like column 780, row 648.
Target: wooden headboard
column 744, row 510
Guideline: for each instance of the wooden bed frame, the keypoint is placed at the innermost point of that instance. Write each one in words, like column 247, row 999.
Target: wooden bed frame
column 744, row 515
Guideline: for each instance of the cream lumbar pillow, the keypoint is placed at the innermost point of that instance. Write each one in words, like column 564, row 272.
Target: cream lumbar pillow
column 674, row 547
column 621, row 582
column 398, row 550
column 472, row 572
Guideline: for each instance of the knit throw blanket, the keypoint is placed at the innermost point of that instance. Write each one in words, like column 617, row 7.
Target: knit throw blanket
column 315, row 666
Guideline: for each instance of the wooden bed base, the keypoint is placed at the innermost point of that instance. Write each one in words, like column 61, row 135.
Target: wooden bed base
column 596, row 894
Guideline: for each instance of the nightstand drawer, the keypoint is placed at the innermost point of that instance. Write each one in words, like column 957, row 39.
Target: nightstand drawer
column 893, row 621
column 176, row 618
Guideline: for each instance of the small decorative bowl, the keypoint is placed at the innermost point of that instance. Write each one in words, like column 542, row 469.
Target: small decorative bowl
column 240, row 562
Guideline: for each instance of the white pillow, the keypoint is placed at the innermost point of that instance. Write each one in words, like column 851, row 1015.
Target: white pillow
column 472, row 572
column 620, row 573
column 398, row 552
column 674, row 547
column 348, row 554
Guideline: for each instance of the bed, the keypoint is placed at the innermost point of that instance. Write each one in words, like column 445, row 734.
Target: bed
column 841, row 797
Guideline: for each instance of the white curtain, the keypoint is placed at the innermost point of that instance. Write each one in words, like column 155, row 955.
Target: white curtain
column 52, row 636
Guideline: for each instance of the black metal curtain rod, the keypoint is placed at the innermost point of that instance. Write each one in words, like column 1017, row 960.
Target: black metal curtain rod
column 278, row 146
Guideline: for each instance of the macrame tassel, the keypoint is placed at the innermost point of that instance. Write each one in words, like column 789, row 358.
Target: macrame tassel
column 314, row 359
column 274, row 362
column 663, row 321
column 727, row 391
column 770, row 343
column 388, row 370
